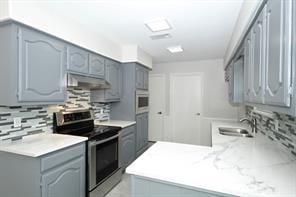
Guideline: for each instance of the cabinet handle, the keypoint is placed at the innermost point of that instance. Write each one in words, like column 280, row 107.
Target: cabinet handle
column 159, row 112
column 198, row 114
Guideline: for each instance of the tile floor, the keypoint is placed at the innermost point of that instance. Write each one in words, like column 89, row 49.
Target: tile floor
column 123, row 189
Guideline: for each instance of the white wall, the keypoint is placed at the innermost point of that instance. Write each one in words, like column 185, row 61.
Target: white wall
column 246, row 15
column 4, row 9
column 215, row 101
column 133, row 53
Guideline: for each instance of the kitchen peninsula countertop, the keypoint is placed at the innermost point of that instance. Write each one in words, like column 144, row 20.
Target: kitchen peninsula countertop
column 40, row 144
column 232, row 166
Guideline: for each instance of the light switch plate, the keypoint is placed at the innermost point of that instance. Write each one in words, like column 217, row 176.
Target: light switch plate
column 17, row 122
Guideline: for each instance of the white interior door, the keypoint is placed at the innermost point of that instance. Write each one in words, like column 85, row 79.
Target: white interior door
column 156, row 106
column 185, row 107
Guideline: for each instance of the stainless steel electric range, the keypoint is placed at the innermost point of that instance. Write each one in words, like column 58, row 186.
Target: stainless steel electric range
column 103, row 149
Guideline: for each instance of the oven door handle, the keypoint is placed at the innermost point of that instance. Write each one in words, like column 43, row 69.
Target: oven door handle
column 95, row 143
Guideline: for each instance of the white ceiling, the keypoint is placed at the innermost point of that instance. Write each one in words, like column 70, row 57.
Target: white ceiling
column 202, row 27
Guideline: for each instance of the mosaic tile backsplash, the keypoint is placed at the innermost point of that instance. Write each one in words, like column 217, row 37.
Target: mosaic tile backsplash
column 280, row 129
column 37, row 119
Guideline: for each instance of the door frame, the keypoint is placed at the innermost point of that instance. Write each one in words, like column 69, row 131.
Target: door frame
column 171, row 75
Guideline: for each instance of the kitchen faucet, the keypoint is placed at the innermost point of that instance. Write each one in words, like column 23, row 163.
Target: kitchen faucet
column 252, row 123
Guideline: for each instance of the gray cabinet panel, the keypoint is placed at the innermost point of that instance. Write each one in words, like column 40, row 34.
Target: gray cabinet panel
column 128, row 147
column 145, row 129
column 278, row 60
column 96, row 65
column 77, row 60
column 142, row 78
column 41, row 68
column 113, row 76
column 139, row 141
column 257, row 65
column 142, row 131
column 139, row 77
column 247, row 67
column 146, row 79
column 65, row 180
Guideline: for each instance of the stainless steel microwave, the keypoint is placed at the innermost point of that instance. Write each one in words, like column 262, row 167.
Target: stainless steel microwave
column 142, row 101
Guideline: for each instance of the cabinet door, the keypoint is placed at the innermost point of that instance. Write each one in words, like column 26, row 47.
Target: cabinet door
column 144, row 129
column 96, row 65
column 139, row 141
column 77, row 60
column 247, row 67
column 113, row 76
column 145, row 79
column 278, row 53
column 65, row 180
column 257, row 65
column 41, row 68
column 128, row 149
column 139, row 77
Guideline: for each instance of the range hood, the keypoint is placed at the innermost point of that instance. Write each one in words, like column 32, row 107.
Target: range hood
column 74, row 80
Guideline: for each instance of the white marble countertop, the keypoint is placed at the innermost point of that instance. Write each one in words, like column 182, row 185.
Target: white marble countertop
column 115, row 123
column 233, row 165
column 40, row 144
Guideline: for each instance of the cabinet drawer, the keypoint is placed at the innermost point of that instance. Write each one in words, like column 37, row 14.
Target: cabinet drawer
column 57, row 158
column 128, row 130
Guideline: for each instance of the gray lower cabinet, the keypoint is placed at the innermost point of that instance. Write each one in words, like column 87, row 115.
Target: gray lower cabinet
column 32, row 67
column 77, row 60
column 128, row 145
column 142, row 132
column 142, row 81
column 278, row 53
column 65, row 180
column 58, row 174
column 113, row 75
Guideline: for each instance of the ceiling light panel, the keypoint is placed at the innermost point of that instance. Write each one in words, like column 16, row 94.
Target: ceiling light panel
column 175, row 49
column 158, row 25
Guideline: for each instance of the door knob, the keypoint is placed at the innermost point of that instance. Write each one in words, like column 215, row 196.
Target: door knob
column 198, row 114
column 159, row 112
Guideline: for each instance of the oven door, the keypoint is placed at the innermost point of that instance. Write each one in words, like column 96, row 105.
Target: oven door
column 142, row 102
column 103, row 160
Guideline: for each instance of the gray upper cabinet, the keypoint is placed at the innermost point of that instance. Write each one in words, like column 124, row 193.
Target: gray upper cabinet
column 235, row 81
column 146, row 79
column 257, row 66
column 113, row 76
column 77, row 60
column 141, row 132
column 41, row 67
column 142, row 81
column 33, row 67
column 247, row 67
column 139, row 77
column 96, row 65
column 278, row 53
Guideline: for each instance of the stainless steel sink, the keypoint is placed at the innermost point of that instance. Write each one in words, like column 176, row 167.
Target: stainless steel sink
column 238, row 132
